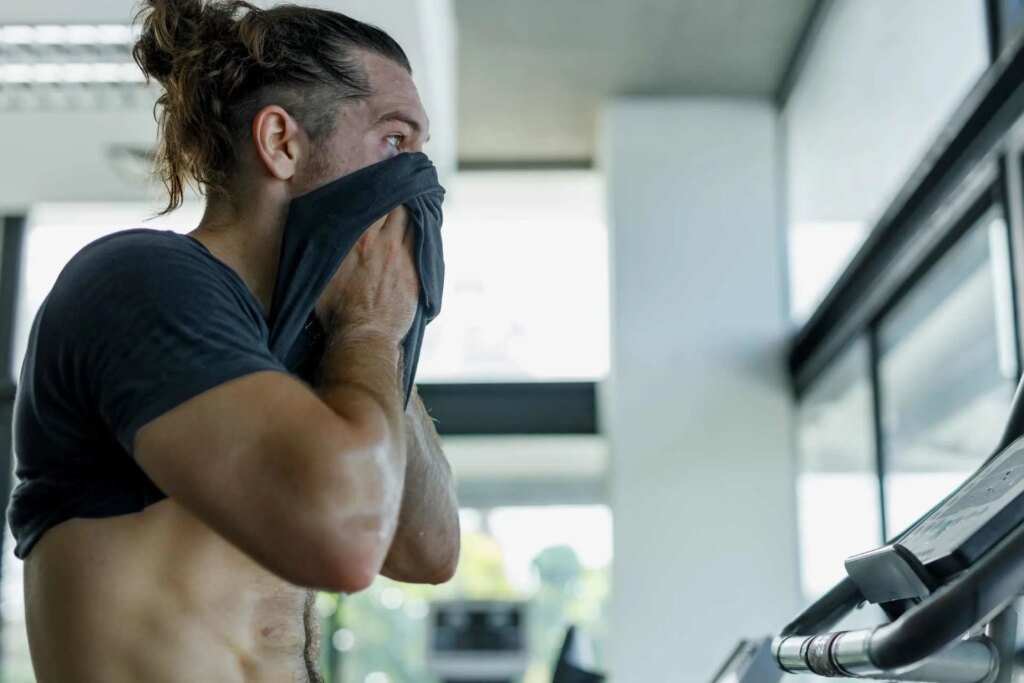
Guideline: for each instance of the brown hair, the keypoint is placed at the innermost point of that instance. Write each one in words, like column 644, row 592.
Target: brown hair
column 220, row 62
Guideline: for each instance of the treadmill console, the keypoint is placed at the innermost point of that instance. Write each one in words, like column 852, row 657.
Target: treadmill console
column 951, row 537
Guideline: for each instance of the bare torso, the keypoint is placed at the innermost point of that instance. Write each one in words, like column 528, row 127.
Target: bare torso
column 157, row 596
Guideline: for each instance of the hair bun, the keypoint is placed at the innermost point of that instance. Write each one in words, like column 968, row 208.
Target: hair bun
column 170, row 29
column 220, row 61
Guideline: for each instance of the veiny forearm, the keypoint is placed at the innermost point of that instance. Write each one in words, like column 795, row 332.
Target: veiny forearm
column 426, row 545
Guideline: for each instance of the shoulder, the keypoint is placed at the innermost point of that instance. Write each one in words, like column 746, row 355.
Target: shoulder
column 138, row 251
column 133, row 271
column 143, row 259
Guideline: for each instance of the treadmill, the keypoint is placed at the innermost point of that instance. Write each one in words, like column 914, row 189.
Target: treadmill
column 948, row 586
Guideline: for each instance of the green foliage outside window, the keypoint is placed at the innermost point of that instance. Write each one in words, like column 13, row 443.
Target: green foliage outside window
column 383, row 629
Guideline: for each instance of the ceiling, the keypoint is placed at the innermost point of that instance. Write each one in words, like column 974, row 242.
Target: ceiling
column 72, row 153
column 532, row 74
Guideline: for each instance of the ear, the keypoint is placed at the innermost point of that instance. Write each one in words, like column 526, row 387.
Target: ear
column 278, row 140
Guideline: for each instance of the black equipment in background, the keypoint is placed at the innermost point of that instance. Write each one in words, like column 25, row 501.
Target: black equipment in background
column 477, row 641
column 575, row 661
column 750, row 662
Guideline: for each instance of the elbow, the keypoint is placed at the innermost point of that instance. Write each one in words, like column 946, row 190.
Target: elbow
column 349, row 565
column 325, row 561
column 355, row 538
column 445, row 558
column 440, row 571
column 351, row 507
column 420, row 563
column 348, row 577
column 443, row 573
column 351, row 533
column 452, row 547
column 448, row 563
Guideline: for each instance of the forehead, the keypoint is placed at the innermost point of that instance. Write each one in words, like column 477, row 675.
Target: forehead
column 393, row 89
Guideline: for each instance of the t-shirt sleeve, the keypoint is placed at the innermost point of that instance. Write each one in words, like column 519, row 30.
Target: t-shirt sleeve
column 154, row 324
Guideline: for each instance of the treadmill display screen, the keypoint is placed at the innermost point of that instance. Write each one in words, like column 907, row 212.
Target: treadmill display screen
column 974, row 505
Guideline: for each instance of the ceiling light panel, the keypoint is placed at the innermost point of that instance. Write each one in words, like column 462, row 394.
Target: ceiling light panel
column 48, row 66
column 68, row 35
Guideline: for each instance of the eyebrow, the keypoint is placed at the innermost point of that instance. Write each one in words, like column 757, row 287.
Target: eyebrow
column 399, row 116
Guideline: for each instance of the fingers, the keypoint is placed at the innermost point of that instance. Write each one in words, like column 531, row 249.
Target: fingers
column 379, row 223
column 399, row 226
column 409, row 237
column 396, row 224
column 390, row 226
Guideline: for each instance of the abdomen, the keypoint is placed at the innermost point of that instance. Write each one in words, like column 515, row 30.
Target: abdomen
column 160, row 597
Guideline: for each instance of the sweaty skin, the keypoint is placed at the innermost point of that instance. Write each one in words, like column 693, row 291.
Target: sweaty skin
column 161, row 596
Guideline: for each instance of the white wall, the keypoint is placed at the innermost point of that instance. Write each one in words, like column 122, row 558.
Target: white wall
column 881, row 80
column 70, row 156
column 698, row 408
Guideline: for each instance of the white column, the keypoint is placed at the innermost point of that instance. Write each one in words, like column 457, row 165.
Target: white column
column 698, row 408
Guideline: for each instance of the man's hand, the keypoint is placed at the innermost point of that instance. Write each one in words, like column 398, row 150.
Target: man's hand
column 426, row 545
column 376, row 289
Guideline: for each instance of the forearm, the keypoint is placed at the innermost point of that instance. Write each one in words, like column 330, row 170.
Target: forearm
column 359, row 380
column 426, row 545
column 360, row 383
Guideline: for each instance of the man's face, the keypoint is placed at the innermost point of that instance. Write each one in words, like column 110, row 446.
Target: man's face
column 388, row 122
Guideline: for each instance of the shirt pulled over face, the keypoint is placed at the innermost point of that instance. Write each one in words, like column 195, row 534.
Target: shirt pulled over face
column 322, row 228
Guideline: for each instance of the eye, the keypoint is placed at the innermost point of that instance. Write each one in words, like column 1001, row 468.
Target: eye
column 395, row 140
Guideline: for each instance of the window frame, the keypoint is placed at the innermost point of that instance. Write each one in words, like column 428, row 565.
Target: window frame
column 975, row 164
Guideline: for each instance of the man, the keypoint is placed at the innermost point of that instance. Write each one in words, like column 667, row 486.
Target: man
column 181, row 492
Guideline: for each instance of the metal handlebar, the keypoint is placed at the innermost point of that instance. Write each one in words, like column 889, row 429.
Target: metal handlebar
column 846, row 655
column 924, row 643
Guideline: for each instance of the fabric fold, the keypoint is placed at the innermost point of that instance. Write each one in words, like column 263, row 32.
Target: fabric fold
column 321, row 229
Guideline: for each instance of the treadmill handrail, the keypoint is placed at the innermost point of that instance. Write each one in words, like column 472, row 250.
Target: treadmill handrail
column 969, row 600
column 824, row 612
